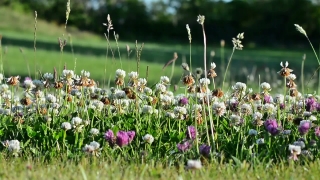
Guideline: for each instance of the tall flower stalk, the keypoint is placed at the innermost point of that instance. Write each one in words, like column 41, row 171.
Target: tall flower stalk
column 236, row 46
column 200, row 20
column 302, row 31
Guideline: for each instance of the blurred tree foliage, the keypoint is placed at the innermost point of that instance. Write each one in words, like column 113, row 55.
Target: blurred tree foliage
column 263, row 21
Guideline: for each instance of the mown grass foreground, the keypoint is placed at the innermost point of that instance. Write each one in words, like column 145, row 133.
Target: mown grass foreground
column 18, row 170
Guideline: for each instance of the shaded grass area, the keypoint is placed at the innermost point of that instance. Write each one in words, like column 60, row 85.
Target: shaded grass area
column 120, row 170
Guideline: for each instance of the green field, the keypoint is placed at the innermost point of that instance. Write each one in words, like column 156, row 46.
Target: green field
column 90, row 53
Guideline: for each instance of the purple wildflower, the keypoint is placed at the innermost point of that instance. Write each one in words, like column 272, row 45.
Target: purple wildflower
column 272, row 126
column 182, row 147
column 311, row 104
column 122, row 138
column 317, row 131
column 205, row 150
column 304, row 127
column 109, row 136
column 131, row 135
column 191, row 132
column 184, row 101
column 267, row 99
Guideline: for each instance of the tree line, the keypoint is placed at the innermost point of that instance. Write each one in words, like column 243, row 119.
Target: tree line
column 265, row 22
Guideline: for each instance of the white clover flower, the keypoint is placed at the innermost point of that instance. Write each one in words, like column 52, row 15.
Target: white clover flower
column 66, row 126
column 219, row 108
column 76, row 121
column 239, row 86
column 194, row 164
column 279, row 98
column 213, row 65
column 268, row 107
column 147, row 91
column 164, row 80
column 146, row 109
column 120, row 73
column 92, row 149
column 180, row 110
column 265, row 86
column 260, row 141
column 165, row 99
column 235, row 119
column 51, row 98
column 253, row 132
column 98, row 105
column 14, row 146
column 48, row 76
column 294, row 148
column 38, row 83
column 133, row 75
column 197, row 107
column 94, row 131
column 68, row 74
column 148, row 138
column 4, row 88
column 161, row 88
column 257, row 116
column 85, row 73
column 120, row 94
column 246, row 109
column 142, row 81
column 28, row 84
column 312, row 118
column 204, row 81
column 170, row 115
column 291, row 77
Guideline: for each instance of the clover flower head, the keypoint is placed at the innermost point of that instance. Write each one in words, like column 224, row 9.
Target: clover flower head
column 213, row 65
column 239, row 86
column 14, row 146
column 92, row 149
column 164, row 80
column 184, row 146
column 94, row 131
column 48, row 76
column 294, row 152
column 148, row 138
column 161, row 88
column 253, row 132
column 51, row 98
column 66, row 126
column 76, row 121
column 260, row 141
column 194, row 164
column 146, row 109
column 265, row 86
column 205, row 150
column 191, row 132
column 68, row 74
column 133, row 75
column 120, row 73
column 85, row 73
column 204, row 81
column 304, row 126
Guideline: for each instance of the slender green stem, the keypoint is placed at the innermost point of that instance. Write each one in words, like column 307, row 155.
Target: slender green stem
column 225, row 73
column 190, row 59
column 313, row 50
column 302, row 74
column 116, row 38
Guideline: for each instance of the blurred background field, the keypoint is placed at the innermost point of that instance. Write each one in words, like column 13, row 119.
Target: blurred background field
column 160, row 25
